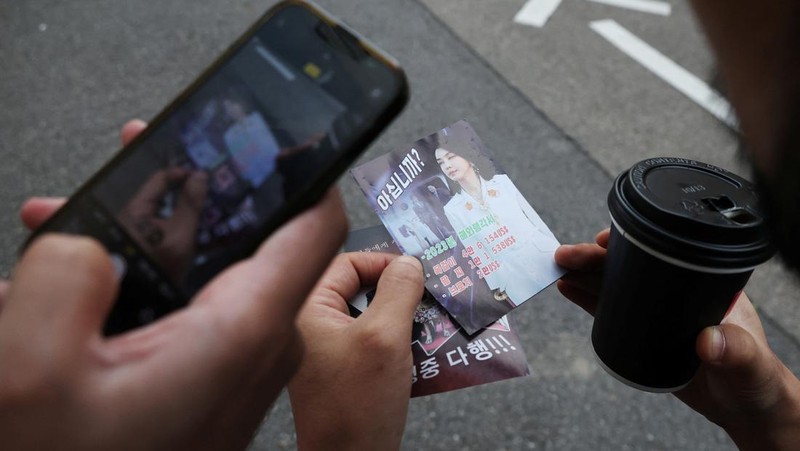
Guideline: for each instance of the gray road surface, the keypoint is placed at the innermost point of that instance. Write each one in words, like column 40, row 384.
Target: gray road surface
column 563, row 111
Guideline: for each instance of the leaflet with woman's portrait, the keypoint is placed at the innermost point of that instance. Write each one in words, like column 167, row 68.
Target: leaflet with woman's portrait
column 484, row 249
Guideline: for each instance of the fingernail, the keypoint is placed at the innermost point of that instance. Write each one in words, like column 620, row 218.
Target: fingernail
column 408, row 262
column 717, row 343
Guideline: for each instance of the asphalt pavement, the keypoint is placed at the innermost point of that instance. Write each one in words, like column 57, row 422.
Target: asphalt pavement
column 562, row 109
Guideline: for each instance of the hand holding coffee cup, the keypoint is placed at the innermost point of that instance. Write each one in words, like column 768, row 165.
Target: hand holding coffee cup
column 685, row 238
column 741, row 385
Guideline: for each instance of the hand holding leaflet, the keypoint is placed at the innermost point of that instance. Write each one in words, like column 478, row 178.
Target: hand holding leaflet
column 362, row 363
column 445, row 356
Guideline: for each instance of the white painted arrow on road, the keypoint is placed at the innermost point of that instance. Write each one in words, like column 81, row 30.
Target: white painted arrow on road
column 666, row 69
column 536, row 12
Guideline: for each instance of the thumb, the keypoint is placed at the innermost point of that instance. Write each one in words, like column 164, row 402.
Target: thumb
column 194, row 192
column 396, row 297
column 62, row 290
column 745, row 366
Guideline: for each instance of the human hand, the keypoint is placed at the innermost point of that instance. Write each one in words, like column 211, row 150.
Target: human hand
column 169, row 239
column 315, row 139
column 312, row 142
column 168, row 236
column 353, row 386
column 200, row 378
column 585, row 262
column 741, row 385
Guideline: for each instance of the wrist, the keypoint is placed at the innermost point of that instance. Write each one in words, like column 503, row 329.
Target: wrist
column 326, row 432
column 320, row 423
column 345, row 440
column 775, row 428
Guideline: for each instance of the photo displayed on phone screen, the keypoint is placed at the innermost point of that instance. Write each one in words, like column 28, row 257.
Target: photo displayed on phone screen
column 197, row 191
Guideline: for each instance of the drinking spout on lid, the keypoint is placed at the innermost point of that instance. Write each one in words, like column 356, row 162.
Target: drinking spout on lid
column 727, row 207
column 720, row 203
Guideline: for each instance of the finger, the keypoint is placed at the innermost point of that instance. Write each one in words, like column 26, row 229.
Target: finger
column 36, row 210
column 743, row 314
column 396, row 298
column 602, row 238
column 581, row 257
column 176, row 174
column 191, row 200
column 733, row 355
column 589, row 282
column 149, row 196
column 131, row 129
column 582, row 299
column 61, row 293
column 347, row 275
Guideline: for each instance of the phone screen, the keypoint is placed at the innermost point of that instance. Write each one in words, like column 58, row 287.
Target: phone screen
column 258, row 132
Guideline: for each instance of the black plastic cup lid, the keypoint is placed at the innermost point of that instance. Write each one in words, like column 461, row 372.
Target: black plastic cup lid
column 692, row 212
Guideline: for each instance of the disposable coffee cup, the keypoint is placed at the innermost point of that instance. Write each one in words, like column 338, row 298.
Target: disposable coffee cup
column 685, row 238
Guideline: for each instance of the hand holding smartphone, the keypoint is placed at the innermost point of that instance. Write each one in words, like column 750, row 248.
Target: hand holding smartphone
column 259, row 136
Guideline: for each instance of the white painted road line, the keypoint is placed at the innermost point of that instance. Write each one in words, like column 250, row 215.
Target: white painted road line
column 645, row 6
column 536, row 12
column 668, row 70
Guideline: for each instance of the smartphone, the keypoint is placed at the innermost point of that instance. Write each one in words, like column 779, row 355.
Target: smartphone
column 258, row 137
